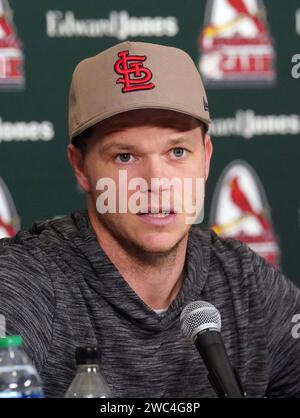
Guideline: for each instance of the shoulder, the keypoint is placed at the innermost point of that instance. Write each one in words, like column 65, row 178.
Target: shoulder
column 241, row 264
column 29, row 247
column 218, row 245
column 231, row 256
column 26, row 267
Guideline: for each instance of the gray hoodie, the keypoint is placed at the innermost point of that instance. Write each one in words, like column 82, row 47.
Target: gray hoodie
column 59, row 290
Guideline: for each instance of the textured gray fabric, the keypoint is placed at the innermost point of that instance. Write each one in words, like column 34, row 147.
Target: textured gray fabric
column 59, row 290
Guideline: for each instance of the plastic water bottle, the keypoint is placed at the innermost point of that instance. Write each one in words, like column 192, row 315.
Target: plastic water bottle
column 89, row 381
column 18, row 377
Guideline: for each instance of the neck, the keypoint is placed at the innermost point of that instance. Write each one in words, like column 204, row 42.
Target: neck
column 156, row 278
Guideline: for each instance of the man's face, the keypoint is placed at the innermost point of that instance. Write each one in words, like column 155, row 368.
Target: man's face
column 159, row 144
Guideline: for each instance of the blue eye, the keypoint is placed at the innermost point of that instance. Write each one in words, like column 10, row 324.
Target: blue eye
column 178, row 152
column 124, row 158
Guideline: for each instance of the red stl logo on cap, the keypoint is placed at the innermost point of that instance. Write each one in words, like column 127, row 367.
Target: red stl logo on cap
column 135, row 75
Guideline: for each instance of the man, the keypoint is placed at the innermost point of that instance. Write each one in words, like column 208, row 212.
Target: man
column 119, row 275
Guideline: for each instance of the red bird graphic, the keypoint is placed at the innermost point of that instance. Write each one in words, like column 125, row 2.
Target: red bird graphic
column 7, row 29
column 241, row 201
column 10, row 230
column 242, row 9
column 8, row 36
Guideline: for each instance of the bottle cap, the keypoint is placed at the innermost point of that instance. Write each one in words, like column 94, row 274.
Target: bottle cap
column 11, row 341
column 87, row 355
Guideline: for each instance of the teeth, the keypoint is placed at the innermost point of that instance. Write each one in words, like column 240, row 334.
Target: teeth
column 159, row 215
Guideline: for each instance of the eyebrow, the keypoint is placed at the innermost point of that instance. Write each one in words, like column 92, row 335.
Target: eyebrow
column 131, row 147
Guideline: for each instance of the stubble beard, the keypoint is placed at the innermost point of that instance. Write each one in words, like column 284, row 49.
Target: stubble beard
column 139, row 252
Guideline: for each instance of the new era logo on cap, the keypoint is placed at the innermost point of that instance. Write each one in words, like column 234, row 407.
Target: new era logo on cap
column 205, row 105
column 156, row 76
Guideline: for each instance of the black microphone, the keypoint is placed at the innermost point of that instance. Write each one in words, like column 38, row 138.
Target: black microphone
column 201, row 322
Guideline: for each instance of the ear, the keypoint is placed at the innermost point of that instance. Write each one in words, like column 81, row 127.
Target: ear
column 77, row 162
column 208, row 153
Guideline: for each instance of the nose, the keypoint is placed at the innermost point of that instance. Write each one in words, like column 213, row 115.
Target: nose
column 154, row 168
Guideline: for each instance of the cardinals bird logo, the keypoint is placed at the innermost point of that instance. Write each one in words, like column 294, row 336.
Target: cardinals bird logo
column 9, row 219
column 235, row 44
column 239, row 198
column 240, row 210
column 11, row 56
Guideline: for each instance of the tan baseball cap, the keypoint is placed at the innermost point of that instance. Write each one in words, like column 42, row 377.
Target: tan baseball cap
column 135, row 75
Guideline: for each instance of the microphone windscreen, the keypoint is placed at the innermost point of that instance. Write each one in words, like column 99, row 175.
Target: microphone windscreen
column 199, row 316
